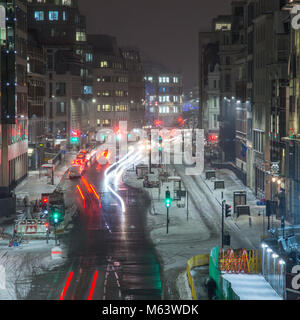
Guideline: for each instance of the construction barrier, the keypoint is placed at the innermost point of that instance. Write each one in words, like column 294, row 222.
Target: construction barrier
column 214, row 271
column 197, row 261
column 227, row 291
column 240, row 261
column 31, row 227
column 231, row 261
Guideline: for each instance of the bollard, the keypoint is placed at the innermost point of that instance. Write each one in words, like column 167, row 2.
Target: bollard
column 250, row 222
column 56, row 253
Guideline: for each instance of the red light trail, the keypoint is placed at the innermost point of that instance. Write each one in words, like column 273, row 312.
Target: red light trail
column 81, row 194
column 93, row 285
column 66, row 286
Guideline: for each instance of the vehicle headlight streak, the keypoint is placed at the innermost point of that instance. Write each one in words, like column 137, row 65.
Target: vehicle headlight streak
column 108, row 175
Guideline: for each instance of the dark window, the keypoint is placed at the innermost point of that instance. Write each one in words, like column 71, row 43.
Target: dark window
column 60, row 89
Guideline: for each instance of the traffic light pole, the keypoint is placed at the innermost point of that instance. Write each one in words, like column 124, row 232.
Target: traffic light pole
column 150, row 160
column 223, row 205
column 187, row 205
column 167, row 220
column 55, row 234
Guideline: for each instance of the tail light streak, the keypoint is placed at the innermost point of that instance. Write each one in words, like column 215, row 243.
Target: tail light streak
column 81, row 194
column 66, row 286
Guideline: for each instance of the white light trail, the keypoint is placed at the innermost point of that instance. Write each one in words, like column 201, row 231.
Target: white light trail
column 117, row 169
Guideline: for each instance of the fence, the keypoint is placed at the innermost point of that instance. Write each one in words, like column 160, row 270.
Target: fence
column 197, row 261
column 232, row 261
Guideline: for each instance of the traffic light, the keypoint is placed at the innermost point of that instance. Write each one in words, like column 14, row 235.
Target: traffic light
column 212, row 137
column 158, row 123
column 180, row 121
column 168, row 200
column 56, row 216
column 44, row 202
column 227, row 210
column 75, row 137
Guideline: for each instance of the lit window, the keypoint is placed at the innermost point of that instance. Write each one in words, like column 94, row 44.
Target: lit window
column 150, row 78
column 64, row 16
column 98, row 122
column 119, row 93
column 175, row 79
column 106, row 122
column 106, row 93
column 88, row 57
column 80, row 36
column 53, row 15
column 160, row 79
column 106, row 107
column 66, row 2
column 98, row 108
column 39, row 15
column 103, row 64
column 87, row 90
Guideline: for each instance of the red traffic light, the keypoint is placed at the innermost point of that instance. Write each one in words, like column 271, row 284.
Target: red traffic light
column 212, row 137
column 45, row 200
column 157, row 123
column 75, row 133
column 227, row 210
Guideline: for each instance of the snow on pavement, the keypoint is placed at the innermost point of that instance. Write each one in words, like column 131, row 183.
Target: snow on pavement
column 22, row 262
column 251, row 287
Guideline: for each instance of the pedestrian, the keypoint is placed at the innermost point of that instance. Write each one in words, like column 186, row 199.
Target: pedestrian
column 211, row 288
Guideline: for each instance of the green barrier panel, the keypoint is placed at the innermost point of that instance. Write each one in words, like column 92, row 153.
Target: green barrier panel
column 214, row 271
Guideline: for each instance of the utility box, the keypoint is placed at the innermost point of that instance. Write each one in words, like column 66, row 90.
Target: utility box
column 210, row 174
column 219, row 184
column 239, row 199
column 141, row 171
column 226, row 239
column 242, row 210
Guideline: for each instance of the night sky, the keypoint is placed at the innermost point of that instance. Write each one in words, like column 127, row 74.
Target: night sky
column 166, row 30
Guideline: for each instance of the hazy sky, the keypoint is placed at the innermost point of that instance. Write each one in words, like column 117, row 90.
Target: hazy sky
column 164, row 29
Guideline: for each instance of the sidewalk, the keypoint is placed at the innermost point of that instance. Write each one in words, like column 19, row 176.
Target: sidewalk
column 202, row 231
column 31, row 257
column 185, row 239
column 33, row 186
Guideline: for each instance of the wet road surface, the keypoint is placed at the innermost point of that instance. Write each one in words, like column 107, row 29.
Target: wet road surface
column 110, row 257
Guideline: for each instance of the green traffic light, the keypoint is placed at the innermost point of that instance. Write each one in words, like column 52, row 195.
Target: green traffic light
column 74, row 140
column 168, row 202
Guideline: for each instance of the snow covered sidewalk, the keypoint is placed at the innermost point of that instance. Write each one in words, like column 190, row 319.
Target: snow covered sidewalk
column 31, row 257
column 202, row 230
column 185, row 239
column 34, row 185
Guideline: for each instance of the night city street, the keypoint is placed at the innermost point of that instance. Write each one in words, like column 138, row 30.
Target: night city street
column 149, row 156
